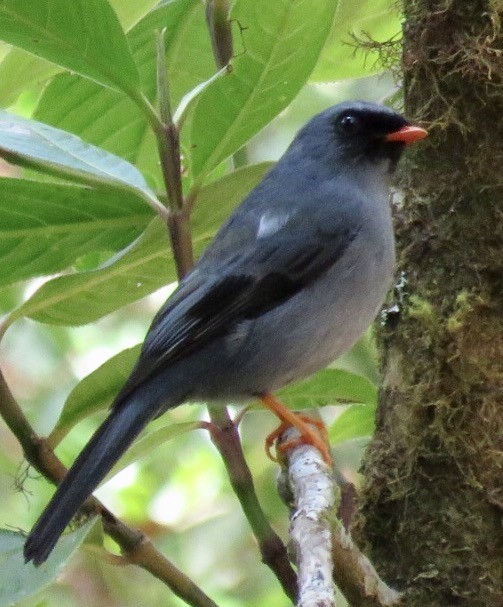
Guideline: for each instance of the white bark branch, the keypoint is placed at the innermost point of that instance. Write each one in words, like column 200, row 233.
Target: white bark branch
column 323, row 549
column 312, row 485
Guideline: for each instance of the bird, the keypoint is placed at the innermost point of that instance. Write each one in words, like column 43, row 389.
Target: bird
column 289, row 283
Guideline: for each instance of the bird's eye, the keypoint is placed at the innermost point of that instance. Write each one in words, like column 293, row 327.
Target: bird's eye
column 349, row 124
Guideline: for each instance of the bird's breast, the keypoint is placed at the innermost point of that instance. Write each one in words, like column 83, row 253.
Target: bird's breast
column 307, row 331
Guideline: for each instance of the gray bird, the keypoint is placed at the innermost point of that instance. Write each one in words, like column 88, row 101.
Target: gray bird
column 289, row 283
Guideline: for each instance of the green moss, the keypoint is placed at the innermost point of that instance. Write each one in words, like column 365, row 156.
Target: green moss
column 421, row 309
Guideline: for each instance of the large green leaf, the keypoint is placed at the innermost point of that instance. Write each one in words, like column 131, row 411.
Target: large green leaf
column 44, row 227
column 377, row 20
column 106, row 118
column 19, row 70
column 84, row 36
column 76, row 299
column 140, row 269
column 36, row 145
column 262, row 80
column 329, row 387
column 19, row 67
column 19, row 581
column 100, row 116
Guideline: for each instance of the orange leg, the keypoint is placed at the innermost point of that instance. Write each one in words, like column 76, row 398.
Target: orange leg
column 304, row 424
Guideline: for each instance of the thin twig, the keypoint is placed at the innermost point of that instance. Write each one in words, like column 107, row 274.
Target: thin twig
column 147, row 556
column 225, row 437
column 136, row 547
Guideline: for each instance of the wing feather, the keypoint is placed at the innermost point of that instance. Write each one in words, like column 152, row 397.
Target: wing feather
column 207, row 306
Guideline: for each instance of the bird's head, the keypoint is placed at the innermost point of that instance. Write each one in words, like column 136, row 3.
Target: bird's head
column 360, row 133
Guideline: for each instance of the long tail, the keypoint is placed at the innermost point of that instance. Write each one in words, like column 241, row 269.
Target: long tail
column 105, row 447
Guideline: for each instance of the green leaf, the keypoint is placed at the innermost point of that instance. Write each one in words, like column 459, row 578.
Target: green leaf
column 45, row 227
column 188, row 100
column 129, row 12
column 102, row 117
column 262, row 80
column 142, row 268
column 18, row 580
column 110, row 120
column 36, row 145
column 19, row 70
column 356, row 421
column 19, row 67
column 84, row 36
column 95, row 392
column 340, row 58
column 328, row 387
column 76, row 299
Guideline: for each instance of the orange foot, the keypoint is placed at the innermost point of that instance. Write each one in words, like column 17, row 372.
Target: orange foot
column 304, row 424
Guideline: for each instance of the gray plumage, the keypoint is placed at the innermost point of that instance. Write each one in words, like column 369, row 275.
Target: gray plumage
column 289, row 283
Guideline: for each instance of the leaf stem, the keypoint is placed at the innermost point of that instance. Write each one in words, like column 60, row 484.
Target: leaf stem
column 219, row 26
column 220, row 30
column 162, row 79
column 168, row 143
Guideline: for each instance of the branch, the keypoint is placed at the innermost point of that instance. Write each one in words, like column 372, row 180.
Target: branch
column 312, row 490
column 135, row 546
column 168, row 144
column 224, row 434
column 219, row 28
column 323, row 548
column 355, row 575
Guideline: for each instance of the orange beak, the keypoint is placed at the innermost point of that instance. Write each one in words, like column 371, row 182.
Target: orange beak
column 407, row 134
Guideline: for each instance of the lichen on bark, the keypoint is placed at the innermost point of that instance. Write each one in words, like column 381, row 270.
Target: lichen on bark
column 431, row 507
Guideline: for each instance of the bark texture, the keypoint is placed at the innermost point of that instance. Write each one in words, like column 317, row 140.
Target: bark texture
column 431, row 513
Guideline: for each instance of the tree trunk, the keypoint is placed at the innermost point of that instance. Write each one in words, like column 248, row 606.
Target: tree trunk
column 431, row 515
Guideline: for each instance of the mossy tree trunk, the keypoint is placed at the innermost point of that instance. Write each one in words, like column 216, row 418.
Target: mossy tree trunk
column 431, row 515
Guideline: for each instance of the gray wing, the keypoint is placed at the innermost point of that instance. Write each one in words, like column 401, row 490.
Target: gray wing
column 208, row 305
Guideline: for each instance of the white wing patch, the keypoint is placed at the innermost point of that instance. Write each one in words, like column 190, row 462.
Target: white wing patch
column 270, row 223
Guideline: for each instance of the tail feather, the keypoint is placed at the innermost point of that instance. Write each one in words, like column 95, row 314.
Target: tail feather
column 106, row 446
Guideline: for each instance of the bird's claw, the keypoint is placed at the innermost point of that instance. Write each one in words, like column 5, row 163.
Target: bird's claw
column 317, row 437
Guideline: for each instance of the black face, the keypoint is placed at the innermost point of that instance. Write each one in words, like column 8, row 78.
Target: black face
column 351, row 134
column 361, row 129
